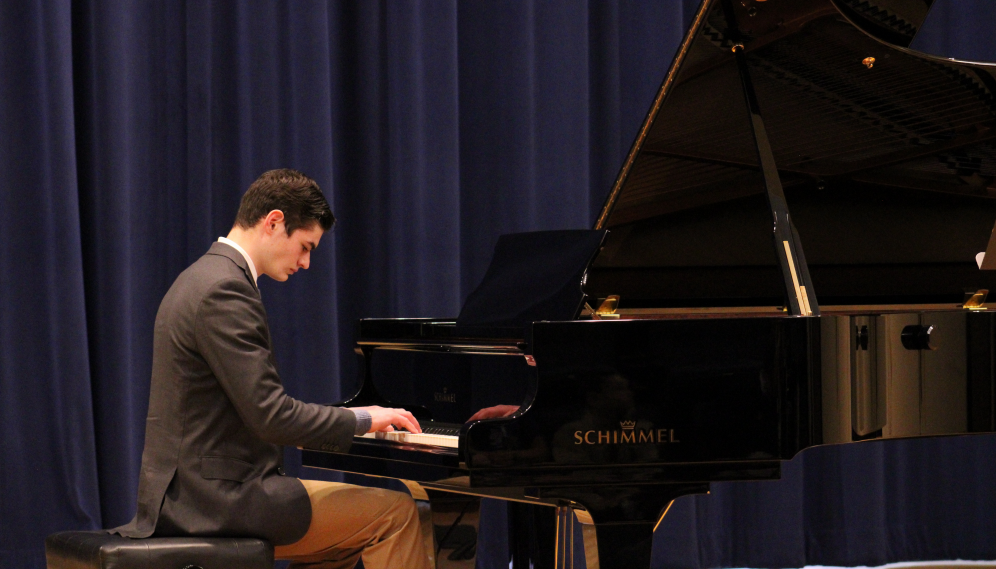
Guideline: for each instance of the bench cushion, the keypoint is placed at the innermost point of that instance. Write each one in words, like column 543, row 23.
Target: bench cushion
column 101, row 550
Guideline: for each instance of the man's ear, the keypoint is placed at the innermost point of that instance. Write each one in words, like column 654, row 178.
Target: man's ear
column 271, row 221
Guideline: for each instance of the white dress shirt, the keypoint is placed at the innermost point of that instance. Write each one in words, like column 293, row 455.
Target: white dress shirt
column 252, row 267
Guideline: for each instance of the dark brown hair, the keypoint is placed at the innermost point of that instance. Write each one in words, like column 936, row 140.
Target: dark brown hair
column 290, row 191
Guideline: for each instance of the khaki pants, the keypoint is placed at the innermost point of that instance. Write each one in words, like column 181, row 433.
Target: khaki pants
column 348, row 522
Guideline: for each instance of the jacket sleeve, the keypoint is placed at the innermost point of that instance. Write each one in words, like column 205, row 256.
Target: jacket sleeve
column 231, row 334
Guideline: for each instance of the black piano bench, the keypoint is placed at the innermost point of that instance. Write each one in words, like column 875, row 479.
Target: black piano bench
column 101, row 550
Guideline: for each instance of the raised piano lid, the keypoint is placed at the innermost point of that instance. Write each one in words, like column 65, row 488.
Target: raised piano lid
column 887, row 157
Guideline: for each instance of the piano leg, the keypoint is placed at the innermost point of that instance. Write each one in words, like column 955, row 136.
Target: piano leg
column 617, row 523
column 564, row 556
column 615, row 545
column 533, row 535
column 544, row 538
column 449, row 526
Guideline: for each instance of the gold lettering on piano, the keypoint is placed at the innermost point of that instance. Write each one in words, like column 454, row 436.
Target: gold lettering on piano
column 628, row 434
column 445, row 397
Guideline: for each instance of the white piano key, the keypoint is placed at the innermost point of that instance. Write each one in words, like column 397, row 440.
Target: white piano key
column 416, row 438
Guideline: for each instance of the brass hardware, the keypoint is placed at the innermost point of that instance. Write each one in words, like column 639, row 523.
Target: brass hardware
column 567, row 516
column 564, row 555
column 800, row 291
column 868, row 62
column 608, row 307
column 736, row 47
column 977, row 300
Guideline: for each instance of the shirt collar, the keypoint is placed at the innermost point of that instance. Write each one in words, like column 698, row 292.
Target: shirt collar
column 237, row 247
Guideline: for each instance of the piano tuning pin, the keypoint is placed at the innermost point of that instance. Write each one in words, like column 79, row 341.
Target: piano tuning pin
column 868, row 62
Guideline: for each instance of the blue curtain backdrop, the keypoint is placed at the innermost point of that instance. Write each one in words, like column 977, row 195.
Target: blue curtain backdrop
column 128, row 132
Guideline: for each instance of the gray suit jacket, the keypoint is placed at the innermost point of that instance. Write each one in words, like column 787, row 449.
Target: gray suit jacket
column 218, row 415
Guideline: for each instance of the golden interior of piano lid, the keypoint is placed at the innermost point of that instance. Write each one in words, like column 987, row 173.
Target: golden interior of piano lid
column 889, row 172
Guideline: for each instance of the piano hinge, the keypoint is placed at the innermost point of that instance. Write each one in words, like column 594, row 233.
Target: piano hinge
column 607, row 309
column 976, row 301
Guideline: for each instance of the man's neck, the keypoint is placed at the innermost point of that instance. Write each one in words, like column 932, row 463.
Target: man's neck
column 249, row 241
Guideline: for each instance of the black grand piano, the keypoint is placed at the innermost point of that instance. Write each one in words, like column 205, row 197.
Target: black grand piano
column 796, row 252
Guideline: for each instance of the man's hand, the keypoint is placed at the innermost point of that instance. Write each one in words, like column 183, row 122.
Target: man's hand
column 385, row 419
column 494, row 412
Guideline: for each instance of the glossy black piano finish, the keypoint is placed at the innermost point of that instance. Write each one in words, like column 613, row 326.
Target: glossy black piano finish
column 615, row 432
column 642, row 392
column 619, row 417
column 795, row 256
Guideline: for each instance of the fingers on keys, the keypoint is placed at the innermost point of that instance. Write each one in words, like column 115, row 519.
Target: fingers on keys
column 407, row 421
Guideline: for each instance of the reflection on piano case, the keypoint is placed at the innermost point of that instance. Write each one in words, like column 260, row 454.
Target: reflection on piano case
column 688, row 338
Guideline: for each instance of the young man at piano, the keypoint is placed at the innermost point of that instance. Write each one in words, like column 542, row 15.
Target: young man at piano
column 218, row 413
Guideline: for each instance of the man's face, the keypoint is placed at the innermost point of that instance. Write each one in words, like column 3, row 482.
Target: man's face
column 285, row 255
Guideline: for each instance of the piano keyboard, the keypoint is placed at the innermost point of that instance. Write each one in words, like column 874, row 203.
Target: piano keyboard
column 436, row 435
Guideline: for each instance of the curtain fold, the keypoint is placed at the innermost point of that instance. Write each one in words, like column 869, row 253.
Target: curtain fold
column 128, row 133
column 48, row 474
